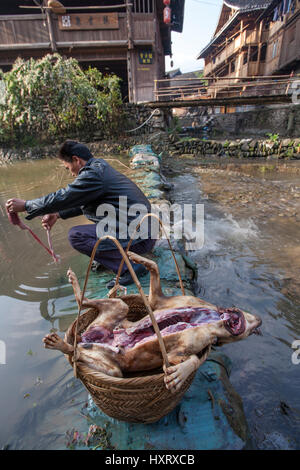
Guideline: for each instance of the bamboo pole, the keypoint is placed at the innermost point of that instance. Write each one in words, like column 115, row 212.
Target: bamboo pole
column 96, row 7
column 184, row 94
column 129, row 26
column 259, row 47
column 50, row 30
column 220, row 85
column 229, row 85
column 74, row 44
column 256, row 77
column 217, row 88
column 222, row 101
column 130, row 55
column 36, row 45
column 24, row 17
column 155, row 90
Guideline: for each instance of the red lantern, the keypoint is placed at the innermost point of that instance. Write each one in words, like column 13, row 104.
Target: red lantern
column 167, row 2
column 167, row 15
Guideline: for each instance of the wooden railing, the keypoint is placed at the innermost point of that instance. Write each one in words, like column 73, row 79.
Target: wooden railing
column 207, row 88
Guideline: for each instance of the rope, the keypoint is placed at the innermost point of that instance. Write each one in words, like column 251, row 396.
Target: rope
column 147, row 120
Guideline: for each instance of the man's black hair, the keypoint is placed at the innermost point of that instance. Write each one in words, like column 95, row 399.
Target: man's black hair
column 70, row 148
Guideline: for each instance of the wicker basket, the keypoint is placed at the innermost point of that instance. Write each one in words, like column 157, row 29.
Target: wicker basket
column 138, row 399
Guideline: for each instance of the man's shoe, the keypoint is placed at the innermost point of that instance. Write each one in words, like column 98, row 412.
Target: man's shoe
column 126, row 279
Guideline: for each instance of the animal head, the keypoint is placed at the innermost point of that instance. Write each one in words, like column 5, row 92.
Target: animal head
column 236, row 325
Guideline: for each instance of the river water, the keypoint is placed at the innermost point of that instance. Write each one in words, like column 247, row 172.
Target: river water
column 250, row 258
column 40, row 399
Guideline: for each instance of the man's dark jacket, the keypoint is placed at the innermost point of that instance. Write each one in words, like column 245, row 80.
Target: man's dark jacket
column 97, row 183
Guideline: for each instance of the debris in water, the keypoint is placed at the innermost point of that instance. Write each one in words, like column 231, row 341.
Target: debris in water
column 95, row 438
column 38, row 381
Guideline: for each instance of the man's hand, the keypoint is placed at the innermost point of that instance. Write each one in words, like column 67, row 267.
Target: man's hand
column 15, row 205
column 49, row 220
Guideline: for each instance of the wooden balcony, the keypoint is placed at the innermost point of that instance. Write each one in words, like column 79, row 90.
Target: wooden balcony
column 20, row 32
column 290, row 51
column 248, row 37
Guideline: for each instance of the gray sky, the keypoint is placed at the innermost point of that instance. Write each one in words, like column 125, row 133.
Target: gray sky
column 200, row 20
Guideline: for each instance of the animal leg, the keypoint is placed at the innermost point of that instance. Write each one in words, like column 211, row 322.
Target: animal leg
column 53, row 341
column 184, row 351
column 99, row 358
column 75, row 284
column 175, row 376
column 155, row 292
column 112, row 311
column 77, row 291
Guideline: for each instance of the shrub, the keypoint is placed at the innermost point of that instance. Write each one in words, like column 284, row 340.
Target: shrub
column 53, row 97
column 273, row 137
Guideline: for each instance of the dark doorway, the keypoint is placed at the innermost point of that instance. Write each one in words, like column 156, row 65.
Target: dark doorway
column 107, row 67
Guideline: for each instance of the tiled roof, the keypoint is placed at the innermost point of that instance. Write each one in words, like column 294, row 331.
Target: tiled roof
column 241, row 7
column 247, row 4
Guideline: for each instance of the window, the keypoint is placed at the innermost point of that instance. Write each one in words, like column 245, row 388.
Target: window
column 142, row 6
column 232, row 67
column 253, row 53
column 245, row 58
column 274, row 49
column 224, row 71
column 263, row 52
column 292, row 34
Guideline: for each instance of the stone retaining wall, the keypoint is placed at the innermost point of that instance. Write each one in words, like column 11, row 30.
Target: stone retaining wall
column 136, row 115
column 98, row 148
column 281, row 148
column 256, row 122
column 277, row 148
column 277, row 119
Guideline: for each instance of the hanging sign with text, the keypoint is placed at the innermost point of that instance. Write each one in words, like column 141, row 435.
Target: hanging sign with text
column 88, row 21
column 145, row 57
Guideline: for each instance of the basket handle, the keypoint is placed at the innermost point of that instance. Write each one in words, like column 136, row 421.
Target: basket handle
column 113, row 291
column 137, row 282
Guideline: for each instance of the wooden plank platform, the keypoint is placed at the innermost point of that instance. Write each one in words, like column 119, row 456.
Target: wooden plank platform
column 215, row 102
